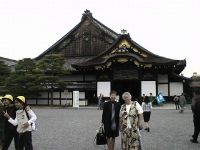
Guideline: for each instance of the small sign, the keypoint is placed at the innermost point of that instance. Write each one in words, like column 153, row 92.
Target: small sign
column 76, row 99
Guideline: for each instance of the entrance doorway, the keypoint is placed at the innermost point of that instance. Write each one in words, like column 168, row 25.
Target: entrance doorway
column 132, row 86
column 90, row 95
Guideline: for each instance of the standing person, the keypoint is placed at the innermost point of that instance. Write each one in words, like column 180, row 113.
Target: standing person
column 10, row 131
column 182, row 102
column 147, row 106
column 143, row 97
column 100, row 101
column 2, row 123
column 110, row 120
column 176, row 102
column 130, row 121
column 151, row 98
column 25, row 117
column 196, row 115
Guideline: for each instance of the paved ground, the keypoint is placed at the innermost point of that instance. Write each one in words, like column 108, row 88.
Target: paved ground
column 70, row 129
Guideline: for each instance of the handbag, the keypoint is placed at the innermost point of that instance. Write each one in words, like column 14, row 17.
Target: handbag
column 101, row 137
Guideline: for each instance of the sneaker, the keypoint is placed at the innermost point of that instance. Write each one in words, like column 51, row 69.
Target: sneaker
column 193, row 141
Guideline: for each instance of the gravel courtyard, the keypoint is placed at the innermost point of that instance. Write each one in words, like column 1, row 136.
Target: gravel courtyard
column 72, row 129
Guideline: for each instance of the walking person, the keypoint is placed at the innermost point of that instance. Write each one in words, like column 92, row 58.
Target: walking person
column 100, row 101
column 130, row 121
column 147, row 107
column 196, row 115
column 176, row 102
column 110, row 120
column 10, row 131
column 25, row 117
column 182, row 102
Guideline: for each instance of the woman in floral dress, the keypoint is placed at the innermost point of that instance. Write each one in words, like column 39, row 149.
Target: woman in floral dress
column 130, row 120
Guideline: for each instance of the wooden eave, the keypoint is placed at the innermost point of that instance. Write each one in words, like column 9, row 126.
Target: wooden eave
column 150, row 59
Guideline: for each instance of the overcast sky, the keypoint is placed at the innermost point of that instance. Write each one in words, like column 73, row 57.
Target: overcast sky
column 169, row 28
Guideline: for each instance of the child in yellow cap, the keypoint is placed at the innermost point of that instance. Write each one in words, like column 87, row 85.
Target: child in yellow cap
column 9, row 130
column 2, row 123
column 24, row 118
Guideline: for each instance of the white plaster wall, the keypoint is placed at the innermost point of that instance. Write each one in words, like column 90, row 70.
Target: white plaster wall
column 81, row 95
column 56, row 94
column 148, row 87
column 176, row 88
column 163, row 88
column 104, row 88
column 40, row 102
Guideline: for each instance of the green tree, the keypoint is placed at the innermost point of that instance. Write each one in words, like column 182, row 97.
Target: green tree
column 4, row 74
column 24, row 81
column 51, row 69
column 52, row 64
column 26, row 65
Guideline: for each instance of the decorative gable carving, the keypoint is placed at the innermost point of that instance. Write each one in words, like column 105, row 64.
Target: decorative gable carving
column 125, row 46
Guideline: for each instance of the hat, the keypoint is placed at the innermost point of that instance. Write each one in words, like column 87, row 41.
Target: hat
column 8, row 97
column 1, row 98
column 21, row 98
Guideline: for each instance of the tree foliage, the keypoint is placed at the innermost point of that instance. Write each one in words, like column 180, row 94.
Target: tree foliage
column 24, row 81
column 4, row 74
column 51, row 64
column 26, row 65
column 31, row 77
column 51, row 68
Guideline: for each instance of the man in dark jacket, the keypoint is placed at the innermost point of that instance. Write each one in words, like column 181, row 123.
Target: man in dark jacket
column 196, row 114
column 110, row 119
column 10, row 130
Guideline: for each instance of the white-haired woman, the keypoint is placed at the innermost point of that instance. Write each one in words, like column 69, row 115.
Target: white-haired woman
column 130, row 119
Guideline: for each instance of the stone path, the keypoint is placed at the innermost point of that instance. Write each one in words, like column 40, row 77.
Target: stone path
column 72, row 129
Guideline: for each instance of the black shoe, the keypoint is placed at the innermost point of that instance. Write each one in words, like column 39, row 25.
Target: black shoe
column 193, row 141
column 145, row 128
column 148, row 129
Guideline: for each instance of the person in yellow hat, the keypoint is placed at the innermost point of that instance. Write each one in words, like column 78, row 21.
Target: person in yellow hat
column 9, row 130
column 1, row 103
column 2, row 123
column 25, row 117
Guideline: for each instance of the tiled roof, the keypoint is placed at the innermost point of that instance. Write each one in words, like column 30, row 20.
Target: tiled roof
column 86, row 15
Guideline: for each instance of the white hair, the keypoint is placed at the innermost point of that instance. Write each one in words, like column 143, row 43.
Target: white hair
column 128, row 94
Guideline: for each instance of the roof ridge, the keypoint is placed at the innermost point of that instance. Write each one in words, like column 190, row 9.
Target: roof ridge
column 85, row 15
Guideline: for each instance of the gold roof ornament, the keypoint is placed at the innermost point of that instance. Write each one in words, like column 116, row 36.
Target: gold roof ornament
column 108, row 64
column 147, row 65
column 124, row 43
column 97, row 67
column 123, row 31
column 144, row 55
column 122, row 60
column 136, row 63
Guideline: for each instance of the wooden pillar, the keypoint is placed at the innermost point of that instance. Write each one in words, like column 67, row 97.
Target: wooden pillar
column 48, row 97
column 60, row 97
column 36, row 100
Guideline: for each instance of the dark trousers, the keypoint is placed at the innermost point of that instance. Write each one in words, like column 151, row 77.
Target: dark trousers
column 177, row 105
column 196, row 129
column 8, row 139
column 25, row 141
